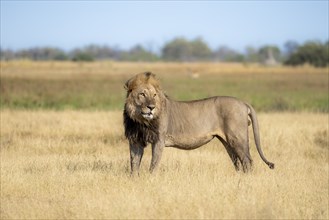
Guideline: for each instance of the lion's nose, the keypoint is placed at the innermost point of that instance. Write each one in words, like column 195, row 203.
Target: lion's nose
column 151, row 107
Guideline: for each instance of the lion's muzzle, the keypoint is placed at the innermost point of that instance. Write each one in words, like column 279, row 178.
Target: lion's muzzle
column 148, row 112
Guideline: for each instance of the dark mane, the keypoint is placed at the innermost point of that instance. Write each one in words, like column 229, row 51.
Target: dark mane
column 139, row 133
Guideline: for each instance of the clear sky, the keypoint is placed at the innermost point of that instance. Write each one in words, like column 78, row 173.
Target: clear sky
column 237, row 24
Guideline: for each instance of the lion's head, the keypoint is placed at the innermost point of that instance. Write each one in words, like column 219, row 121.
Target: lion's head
column 143, row 108
column 143, row 103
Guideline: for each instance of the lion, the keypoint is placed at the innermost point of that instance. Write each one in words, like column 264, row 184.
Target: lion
column 151, row 117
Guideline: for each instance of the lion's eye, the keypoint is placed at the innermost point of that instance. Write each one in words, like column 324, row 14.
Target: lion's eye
column 142, row 94
column 154, row 95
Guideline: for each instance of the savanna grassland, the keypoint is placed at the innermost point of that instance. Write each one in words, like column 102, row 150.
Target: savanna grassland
column 64, row 155
column 99, row 85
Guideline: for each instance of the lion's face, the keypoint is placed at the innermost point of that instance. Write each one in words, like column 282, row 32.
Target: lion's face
column 143, row 101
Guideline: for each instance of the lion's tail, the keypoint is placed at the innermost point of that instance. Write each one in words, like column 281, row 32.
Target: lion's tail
column 253, row 117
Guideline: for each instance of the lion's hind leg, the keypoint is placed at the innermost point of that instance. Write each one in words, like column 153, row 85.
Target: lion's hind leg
column 242, row 150
column 237, row 147
column 246, row 161
column 231, row 152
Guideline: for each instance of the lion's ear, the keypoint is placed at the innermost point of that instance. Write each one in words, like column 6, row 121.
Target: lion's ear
column 127, row 86
column 149, row 75
column 151, row 79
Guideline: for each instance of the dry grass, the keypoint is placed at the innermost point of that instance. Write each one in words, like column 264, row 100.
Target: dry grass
column 74, row 164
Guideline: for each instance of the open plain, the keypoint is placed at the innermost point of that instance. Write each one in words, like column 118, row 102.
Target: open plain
column 64, row 155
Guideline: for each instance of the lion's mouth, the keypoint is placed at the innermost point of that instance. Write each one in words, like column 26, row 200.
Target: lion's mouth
column 147, row 115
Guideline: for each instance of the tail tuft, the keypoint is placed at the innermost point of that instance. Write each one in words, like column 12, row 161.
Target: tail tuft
column 271, row 165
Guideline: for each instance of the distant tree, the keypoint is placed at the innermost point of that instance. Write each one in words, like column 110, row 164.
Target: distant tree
column 61, row 56
column 251, row 54
column 312, row 52
column 181, row 49
column 139, row 53
column 99, row 52
column 290, row 47
column 200, row 50
column 176, row 50
column 269, row 54
column 7, row 54
column 81, row 55
column 227, row 54
column 39, row 53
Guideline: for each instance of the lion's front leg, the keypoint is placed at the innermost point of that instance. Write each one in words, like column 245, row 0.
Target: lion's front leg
column 157, row 149
column 136, row 154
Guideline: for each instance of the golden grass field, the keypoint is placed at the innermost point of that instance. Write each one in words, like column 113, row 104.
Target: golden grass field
column 75, row 165
column 64, row 155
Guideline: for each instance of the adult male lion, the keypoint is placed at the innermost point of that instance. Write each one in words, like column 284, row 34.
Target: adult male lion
column 151, row 117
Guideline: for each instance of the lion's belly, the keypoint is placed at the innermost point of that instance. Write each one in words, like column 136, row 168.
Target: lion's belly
column 187, row 142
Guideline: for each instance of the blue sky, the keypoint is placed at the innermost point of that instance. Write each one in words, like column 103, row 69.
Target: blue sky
column 237, row 24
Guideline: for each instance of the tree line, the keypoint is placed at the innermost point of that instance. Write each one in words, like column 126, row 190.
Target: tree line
column 183, row 50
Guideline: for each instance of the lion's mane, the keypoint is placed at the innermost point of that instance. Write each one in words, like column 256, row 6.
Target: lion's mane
column 137, row 132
